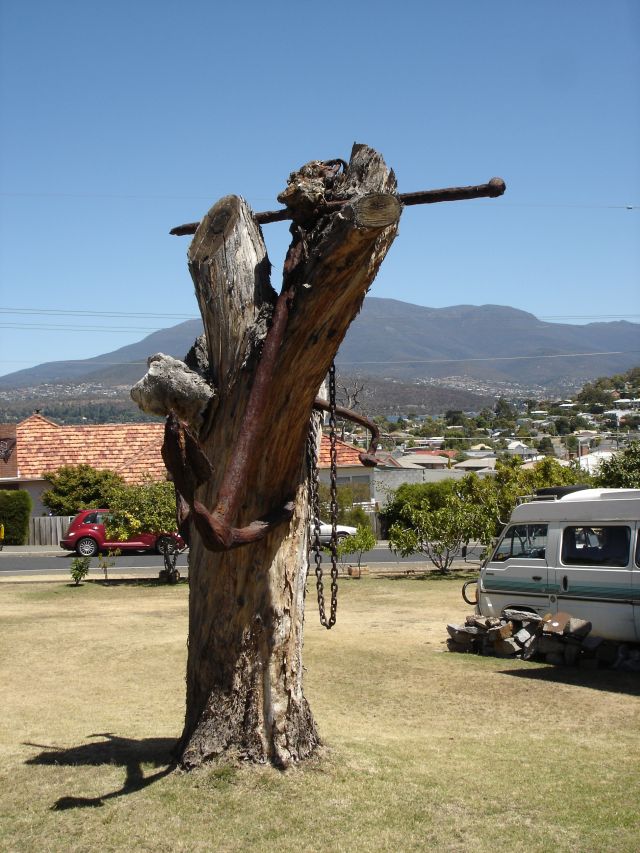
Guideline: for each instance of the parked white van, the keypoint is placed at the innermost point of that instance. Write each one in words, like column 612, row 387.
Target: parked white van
column 573, row 550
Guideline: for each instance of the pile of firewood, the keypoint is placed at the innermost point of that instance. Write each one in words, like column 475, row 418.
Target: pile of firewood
column 559, row 639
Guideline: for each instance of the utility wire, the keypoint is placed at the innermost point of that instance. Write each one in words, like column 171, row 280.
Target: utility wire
column 340, row 363
column 148, row 314
column 81, row 313
column 92, row 329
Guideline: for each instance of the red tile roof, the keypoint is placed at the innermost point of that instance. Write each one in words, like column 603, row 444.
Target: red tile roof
column 132, row 450
column 346, row 454
column 450, row 453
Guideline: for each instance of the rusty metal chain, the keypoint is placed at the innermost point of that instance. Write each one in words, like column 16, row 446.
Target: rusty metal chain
column 314, row 499
column 333, row 471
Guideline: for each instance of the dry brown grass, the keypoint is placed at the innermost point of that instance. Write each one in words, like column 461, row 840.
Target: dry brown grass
column 425, row 750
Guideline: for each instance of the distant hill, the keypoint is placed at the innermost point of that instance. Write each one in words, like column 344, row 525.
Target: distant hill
column 122, row 366
column 394, row 339
column 487, row 342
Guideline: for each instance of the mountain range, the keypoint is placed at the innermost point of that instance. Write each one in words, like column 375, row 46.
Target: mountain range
column 407, row 343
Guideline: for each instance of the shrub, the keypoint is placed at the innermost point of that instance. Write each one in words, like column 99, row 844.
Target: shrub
column 147, row 506
column 76, row 487
column 346, row 496
column 79, row 569
column 15, row 511
column 622, row 471
column 363, row 540
column 356, row 517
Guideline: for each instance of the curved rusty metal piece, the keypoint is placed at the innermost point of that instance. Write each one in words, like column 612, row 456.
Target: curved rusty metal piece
column 217, row 535
column 367, row 458
column 189, row 468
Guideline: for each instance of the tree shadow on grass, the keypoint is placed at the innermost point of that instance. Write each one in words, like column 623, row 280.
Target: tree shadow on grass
column 607, row 680
column 124, row 752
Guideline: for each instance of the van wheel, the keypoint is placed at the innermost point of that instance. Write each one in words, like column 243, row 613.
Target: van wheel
column 87, row 547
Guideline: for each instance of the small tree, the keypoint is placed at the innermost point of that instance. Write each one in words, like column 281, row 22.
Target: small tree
column 440, row 533
column 622, row 471
column 415, row 495
column 499, row 494
column 76, row 487
column 545, row 446
column 107, row 561
column 79, row 569
column 363, row 540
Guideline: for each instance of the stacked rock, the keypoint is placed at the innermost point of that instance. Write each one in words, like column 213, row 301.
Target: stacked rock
column 558, row 638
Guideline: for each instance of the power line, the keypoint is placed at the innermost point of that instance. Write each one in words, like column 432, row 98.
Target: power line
column 92, row 329
column 80, row 313
column 624, row 316
column 150, row 314
column 94, row 360
column 341, row 363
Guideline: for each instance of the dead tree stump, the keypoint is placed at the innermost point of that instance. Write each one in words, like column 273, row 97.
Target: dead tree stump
column 264, row 358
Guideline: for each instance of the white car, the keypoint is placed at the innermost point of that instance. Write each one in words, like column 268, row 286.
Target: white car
column 343, row 530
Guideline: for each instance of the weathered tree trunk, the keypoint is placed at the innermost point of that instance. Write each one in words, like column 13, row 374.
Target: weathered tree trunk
column 267, row 357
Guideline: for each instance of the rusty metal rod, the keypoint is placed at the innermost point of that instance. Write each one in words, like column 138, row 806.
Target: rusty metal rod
column 493, row 189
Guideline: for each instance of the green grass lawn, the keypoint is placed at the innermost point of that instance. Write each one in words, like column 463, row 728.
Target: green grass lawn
column 424, row 750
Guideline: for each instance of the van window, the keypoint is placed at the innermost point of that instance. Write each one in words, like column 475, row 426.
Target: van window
column 524, row 541
column 596, row 546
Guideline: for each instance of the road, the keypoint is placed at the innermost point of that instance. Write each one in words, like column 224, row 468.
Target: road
column 138, row 565
column 49, row 562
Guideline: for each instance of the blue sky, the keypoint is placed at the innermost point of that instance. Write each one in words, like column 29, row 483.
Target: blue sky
column 122, row 119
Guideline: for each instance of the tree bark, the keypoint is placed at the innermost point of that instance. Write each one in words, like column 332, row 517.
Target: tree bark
column 267, row 358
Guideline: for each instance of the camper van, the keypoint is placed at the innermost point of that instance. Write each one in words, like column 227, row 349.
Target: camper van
column 572, row 550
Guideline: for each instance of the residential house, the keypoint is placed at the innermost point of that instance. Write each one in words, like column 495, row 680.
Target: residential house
column 477, row 465
column 350, row 471
column 37, row 445
column 590, row 462
column 519, row 448
column 430, row 459
column 41, row 446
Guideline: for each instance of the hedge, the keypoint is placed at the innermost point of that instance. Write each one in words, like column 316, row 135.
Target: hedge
column 15, row 512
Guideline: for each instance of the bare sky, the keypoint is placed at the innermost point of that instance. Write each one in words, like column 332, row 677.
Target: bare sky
column 122, row 119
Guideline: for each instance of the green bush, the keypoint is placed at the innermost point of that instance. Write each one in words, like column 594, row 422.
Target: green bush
column 622, row 471
column 363, row 540
column 149, row 506
column 15, row 512
column 79, row 569
column 76, row 487
column 347, row 496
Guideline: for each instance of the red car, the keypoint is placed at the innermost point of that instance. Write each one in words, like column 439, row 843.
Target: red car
column 86, row 535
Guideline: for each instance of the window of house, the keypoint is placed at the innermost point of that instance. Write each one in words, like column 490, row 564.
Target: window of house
column 602, row 545
column 524, row 541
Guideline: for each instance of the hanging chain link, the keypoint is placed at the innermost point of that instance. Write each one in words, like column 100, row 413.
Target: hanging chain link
column 314, row 498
